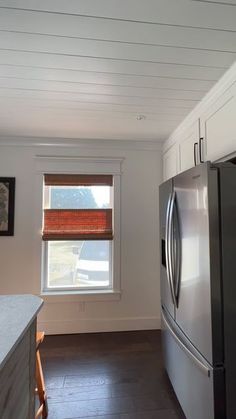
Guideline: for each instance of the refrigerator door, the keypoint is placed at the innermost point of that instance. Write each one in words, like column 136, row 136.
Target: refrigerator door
column 198, row 387
column 167, row 290
column 228, row 243
column 199, row 303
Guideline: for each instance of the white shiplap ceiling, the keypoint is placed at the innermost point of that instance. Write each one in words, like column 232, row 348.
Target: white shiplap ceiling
column 87, row 68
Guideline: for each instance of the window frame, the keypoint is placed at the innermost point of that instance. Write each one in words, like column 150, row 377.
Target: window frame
column 85, row 165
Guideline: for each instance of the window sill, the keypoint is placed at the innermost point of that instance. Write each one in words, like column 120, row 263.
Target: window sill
column 74, row 296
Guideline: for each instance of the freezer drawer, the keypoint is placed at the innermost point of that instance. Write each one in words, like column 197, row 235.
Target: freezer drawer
column 192, row 377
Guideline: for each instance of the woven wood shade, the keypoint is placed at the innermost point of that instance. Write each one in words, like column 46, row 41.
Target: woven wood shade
column 78, row 180
column 79, row 224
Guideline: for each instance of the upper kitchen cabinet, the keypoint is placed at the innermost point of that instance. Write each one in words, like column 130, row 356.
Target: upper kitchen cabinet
column 170, row 162
column 186, row 152
column 218, row 126
column 190, row 147
column 208, row 132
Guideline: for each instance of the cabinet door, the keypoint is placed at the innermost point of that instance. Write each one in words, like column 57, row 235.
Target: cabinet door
column 170, row 162
column 218, row 126
column 186, row 147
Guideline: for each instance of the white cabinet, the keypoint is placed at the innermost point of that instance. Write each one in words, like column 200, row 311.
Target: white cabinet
column 213, row 134
column 189, row 147
column 170, row 162
column 218, row 126
column 180, row 156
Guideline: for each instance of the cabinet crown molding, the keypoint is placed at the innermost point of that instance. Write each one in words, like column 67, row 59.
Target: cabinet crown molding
column 227, row 80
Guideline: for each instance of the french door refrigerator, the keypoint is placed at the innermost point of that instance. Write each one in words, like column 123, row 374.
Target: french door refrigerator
column 198, row 288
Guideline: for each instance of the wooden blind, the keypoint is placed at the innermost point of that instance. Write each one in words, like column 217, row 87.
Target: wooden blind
column 81, row 224
column 78, row 180
column 77, row 224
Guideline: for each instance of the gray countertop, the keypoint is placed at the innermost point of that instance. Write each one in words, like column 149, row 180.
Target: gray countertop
column 17, row 312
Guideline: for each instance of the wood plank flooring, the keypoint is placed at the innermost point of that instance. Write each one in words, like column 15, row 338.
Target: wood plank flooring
column 107, row 376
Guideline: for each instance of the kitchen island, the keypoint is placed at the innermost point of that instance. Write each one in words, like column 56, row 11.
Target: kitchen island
column 18, row 315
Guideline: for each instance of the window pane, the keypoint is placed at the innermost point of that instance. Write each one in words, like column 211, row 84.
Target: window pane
column 83, row 264
column 74, row 197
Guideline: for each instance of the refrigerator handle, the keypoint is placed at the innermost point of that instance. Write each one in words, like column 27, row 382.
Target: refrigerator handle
column 178, row 255
column 167, row 250
column 204, row 368
column 195, row 153
column 170, row 246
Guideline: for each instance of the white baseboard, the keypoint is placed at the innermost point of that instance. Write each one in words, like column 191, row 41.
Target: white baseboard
column 55, row 327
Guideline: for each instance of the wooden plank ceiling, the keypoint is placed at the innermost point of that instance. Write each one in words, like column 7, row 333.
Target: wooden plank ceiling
column 112, row 69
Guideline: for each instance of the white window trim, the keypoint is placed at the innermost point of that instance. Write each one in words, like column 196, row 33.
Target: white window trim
column 85, row 165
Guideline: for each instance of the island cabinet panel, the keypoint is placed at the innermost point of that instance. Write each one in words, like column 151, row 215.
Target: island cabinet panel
column 17, row 379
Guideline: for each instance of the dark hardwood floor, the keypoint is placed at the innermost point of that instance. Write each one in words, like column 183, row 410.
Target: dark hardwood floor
column 107, row 376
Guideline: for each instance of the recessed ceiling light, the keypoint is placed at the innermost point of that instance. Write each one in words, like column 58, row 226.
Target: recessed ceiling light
column 140, row 117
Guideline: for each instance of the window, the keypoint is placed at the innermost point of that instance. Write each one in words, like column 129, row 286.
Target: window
column 78, row 232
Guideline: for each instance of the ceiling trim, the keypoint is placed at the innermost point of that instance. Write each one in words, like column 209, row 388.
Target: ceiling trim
column 223, row 84
column 222, row 3
column 80, row 143
column 129, row 12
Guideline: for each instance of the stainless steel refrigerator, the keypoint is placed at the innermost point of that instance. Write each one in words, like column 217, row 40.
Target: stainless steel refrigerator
column 198, row 288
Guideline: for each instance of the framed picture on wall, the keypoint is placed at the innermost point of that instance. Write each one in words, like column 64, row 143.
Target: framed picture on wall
column 7, row 204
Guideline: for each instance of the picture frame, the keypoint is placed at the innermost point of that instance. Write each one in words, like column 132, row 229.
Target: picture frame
column 7, row 206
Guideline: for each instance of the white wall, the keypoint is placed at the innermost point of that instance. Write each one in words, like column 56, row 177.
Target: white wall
column 139, row 306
